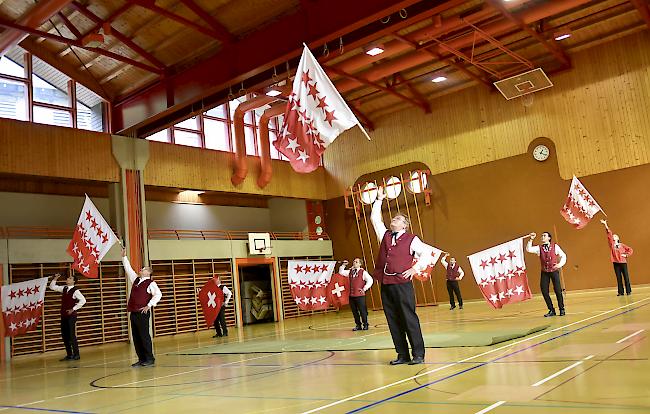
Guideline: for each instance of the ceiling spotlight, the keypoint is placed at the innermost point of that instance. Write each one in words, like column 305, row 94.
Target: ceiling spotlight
column 273, row 92
column 191, row 193
column 561, row 35
column 374, row 50
column 438, row 79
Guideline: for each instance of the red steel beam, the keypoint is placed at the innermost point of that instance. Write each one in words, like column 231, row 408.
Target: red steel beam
column 316, row 23
column 643, row 9
column 151, row 5
column 70, row 26
column 36, row 16
column 118, row 35
column 224, row 34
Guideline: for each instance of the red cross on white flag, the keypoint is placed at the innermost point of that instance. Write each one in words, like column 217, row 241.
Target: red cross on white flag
column 316, row 114
column 92, row 239
column 22, row 305
column 500, row 273
column 580, row 207
column 309, row 281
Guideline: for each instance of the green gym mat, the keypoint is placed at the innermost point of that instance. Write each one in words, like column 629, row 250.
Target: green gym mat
column 368, row 342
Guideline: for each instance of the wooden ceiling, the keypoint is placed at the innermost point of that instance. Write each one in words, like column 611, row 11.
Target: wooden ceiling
column 147, row 44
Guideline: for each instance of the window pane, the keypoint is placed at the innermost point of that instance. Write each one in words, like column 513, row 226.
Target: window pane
column 234, row 104
column 12, row 99
column 274, row 152
column 219, row 111
column 187, row 138
column 50, row 116
column 216, row 135
column 89, row 118
column 45, row 92
column 8, row 67
column 250, row 141
column 160, row 136
column 192, row 123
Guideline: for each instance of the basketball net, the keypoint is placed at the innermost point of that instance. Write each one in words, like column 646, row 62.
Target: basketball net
column 527, row 100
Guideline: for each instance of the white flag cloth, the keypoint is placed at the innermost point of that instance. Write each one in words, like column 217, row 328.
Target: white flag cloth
column 22, row 305
column 309, row 281
column 316, row 114
column 580, row 207
column 92, row 239
column 500, row 273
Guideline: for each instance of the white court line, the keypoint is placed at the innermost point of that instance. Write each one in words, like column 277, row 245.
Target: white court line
column 392, row 384
column 562, row 371
column 629, row 336
column 492, row 407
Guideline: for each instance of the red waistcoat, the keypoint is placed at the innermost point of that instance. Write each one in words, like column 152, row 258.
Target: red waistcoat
column 548, row 259
column 393, row 260
column 357, row 283
column 139, row 297
column 452, row 274
column 68, row 302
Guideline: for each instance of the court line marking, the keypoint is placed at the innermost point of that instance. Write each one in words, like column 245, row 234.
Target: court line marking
column 48, row 410
column 562, row 371
column 490, row 408
column 630, row 336
column 425, row 373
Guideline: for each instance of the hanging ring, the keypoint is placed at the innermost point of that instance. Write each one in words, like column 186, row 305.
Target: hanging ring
column 403, row 14
column 385, row 20
column 326, row 51
column 242, row 90
column 231, row 96
column 341, row 48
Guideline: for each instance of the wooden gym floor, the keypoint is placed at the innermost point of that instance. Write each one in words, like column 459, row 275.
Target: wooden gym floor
column 594, row 360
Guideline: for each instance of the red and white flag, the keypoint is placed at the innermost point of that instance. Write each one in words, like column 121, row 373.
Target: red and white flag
column 92, row 239
column 425, row 274
column 22, row 305
column 580, row 207
column 309, row 281
column 211, row 298
column 500, row 273
column 338, row 291
column 316, row 114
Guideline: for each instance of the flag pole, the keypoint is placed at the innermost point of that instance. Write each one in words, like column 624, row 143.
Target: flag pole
column 366, row 133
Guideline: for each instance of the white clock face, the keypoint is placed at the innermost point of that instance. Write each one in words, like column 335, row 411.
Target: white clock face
column 541, row 152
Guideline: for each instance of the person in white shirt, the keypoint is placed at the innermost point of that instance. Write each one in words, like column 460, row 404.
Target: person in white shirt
column 360, row 282
column 552, row 258
column 71, row 301
column 220, row 327
column 145, row 294
column 394, row 269
column 454, row 274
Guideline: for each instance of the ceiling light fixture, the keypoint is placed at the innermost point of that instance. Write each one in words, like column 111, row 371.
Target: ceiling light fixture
column 561, row 35
column 374, row 49
column 273, row 92
column 439, row 78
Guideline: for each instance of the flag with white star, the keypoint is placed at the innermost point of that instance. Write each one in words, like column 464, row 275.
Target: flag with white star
column 22, row 305
column 309, row 281
column 92, row 239
column 316, row 114
column 580, row 207
column 500, row 273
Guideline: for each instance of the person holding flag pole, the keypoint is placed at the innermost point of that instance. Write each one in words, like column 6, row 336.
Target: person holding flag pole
column 552, row 258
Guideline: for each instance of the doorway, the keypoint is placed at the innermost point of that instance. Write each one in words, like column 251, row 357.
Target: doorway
column 256, row 287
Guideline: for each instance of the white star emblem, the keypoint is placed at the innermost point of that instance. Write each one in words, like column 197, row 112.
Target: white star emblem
column 484, row 283
column 519, row 290
column 293, row 144
column 303, row 156
column 501, row 296
column 313, row 300
column 305, row 300
column 298, row 300
column 322, row 300
column 509, row 293
column 75, row 248
column 576, row 220
column 494, row 298
column 12, row 326
column 501, row 277
column 86, row 269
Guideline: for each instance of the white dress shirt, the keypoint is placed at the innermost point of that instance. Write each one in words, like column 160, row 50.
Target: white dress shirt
column 421, row 250
column 227, row 293
column 153, row 288
column 366, row 277
column 461, row 273
column 558, row 252
column 76, row 295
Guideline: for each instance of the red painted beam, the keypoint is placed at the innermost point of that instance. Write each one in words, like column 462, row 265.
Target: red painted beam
column 219, row 29
column 150, row 5
column 315, row 23
column 643, row 9
column 70, row 26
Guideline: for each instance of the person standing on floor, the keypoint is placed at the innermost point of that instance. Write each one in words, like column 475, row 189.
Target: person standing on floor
column 454, row 274
column 395, row 270
column 619, row 253
column 220, row 327
column 360, row 282
column 145, row 295
column 71, row 301
column 552, row 259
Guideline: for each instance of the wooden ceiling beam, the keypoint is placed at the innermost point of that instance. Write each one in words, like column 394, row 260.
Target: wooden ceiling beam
column 224, row 35
column 644, row 10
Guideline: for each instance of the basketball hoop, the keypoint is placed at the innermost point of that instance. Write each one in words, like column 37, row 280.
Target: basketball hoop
column 527, row 100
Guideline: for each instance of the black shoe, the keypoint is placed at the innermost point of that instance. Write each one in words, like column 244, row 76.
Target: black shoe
column 460, row 307
column 217, row 336
column 147, row 363
column 137, row 364
column 417, row 361
column 452, row 307
column 400, row 361
column 365, row 327
column 562, row 313
column 75, row 358
column 67, row 358
column 550, row 313
column 357, row 328
column 225, row 334
column 629, row 293
column 619, row 294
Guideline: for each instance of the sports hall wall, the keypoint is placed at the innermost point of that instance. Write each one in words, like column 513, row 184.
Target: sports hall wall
column 486, row 187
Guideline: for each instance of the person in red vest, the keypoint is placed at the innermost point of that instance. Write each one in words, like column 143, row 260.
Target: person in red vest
column 394, row 269
column 619, row 253
column 552, row 259
column 71, row 301
column 360, row 282
column 454, row 274
column 145, row 294
column 220, row 327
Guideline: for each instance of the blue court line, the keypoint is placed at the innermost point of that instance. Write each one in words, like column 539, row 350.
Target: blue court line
column 47, row 410
column 482, row 364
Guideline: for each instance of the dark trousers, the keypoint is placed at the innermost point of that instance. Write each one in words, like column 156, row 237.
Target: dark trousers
column 69, row 334
column 220, row 322
column 453, row 287
column 141, row 336
column 399, row 308
column 359, row 310
column 557, row 287
column 621, row 272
